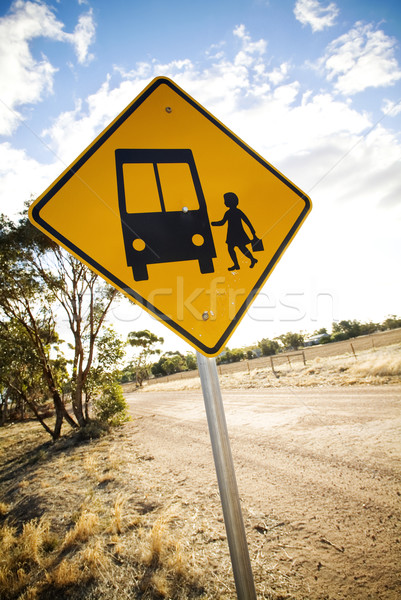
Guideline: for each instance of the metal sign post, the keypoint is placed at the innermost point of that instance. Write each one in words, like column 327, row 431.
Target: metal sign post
column 226, row 479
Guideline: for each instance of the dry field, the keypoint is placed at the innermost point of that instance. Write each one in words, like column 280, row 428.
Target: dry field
column 376, row 366
column 136, row 514
column 349, row 348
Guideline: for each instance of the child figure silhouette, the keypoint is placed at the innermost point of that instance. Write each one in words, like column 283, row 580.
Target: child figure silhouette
column 236, row 234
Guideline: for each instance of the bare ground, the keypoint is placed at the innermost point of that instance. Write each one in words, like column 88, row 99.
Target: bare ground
column 319, row 478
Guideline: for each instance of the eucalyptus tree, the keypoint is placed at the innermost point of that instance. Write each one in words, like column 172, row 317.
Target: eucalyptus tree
column 21, row 375
column 141, row 363
column 26, row 303
column 41, row 285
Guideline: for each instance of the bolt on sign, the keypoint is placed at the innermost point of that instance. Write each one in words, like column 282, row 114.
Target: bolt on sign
column 177, row 212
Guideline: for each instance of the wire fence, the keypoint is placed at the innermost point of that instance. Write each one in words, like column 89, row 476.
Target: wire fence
column 351, row 346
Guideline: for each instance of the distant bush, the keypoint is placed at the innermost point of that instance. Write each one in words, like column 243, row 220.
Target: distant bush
column 341, row 330
column 392, row 322
column 230, row 356
column 292, row 341
column 269, row 347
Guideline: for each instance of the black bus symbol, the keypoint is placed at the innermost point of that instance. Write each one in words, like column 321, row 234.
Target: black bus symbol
column 163, row 210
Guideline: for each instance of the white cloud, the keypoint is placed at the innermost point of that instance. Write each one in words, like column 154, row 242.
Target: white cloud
column 361, row 58
column 21, row 177
column 313, row 13
column 83, row 37
column 279, row 74
column 215, row 51
column 278, row 121
column 249, row 47
column 303, row 134
column 26, row 79
column 390, row 108
column 352, row 172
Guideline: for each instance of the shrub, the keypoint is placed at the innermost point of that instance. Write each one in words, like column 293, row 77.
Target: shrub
column 93, row 430
column 110, row 406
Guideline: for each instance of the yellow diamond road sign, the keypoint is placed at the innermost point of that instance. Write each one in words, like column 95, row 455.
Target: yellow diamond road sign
column 174, row 210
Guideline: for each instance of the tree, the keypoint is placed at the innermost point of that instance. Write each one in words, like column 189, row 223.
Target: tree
column 369, row 328
column 102, row 383
column 21, row 375
column 392, row 322
column 141, row 364
column 191, row 361
column 37, row 276
column 170, row 363
column 225, row 357
column 86, row 302
column 269, row 347
column 292, row 340
column 345, row 330
column 320, row 331
column 229, row 356
column 20, row 385
column 111, row 406
column 26, row 302
column 237, row 354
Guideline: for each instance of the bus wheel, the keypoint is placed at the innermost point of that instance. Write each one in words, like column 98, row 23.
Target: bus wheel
column 206, row 265
column 140, row 273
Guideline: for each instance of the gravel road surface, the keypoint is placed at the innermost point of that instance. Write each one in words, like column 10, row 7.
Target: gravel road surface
column 319, row 475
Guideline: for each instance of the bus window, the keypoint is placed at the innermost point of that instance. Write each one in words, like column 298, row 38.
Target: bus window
column 140, row 187
column 177, row 186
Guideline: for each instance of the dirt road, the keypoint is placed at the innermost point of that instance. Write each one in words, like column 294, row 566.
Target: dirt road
column 319, row 475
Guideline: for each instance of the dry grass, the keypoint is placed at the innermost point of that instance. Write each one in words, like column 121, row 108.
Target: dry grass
column 118, row 513
column 23, row 555
column 4, row 508
column 383, row 365
column 84, row 528
column 170, row 569
column 102, row 537
column 32, row 566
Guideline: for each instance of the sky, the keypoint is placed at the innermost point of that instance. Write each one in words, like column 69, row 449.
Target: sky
column 313, row 86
